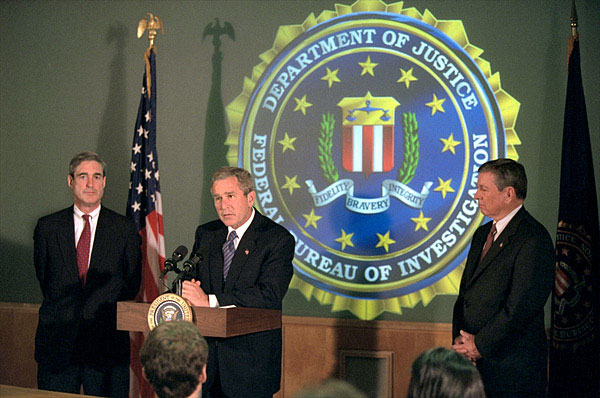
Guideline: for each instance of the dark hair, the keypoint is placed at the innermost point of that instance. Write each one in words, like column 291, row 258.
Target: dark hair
column 507, row 173
column 85, row 156
column 243, row 176
column 443, row 373
column 173, row 356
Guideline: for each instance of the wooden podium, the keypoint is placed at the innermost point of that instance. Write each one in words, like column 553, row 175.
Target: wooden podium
column 211, row 322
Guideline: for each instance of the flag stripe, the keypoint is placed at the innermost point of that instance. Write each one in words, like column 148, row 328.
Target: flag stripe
column 357, row 148
column 367, row 150
column 388, row 148
column 347, row 147
column 144, row 206
column 378, row 148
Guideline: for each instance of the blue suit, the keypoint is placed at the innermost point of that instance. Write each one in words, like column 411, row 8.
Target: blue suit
column 501, row 301
column 259, row 276
column 77, row 324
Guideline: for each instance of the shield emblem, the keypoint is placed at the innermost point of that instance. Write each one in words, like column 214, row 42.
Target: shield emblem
column 368, row 134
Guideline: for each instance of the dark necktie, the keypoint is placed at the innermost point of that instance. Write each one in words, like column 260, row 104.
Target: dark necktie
column 83, row 249
column 488, row 241
column 228, row 252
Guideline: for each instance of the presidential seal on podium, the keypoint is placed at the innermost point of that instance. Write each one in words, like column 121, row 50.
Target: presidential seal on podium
column 168, row 307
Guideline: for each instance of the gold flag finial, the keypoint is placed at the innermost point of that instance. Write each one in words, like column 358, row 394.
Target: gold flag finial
column 151, row 23
column 573, row 19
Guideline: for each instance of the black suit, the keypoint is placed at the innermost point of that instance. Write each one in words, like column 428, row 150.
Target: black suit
column 501, row 301
column 259, row 276
column 77, row 324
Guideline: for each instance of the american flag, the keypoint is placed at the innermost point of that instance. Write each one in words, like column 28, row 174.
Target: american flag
column 145, row 208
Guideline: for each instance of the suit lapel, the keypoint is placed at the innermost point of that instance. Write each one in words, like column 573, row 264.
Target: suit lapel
column 475, row 253
column 500, row 244
column 216, row 258
column 66, row 242
column 102, row 238
column 245, row 247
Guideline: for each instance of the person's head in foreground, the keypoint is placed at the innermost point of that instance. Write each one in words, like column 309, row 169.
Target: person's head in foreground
column 443, row 373
column 330, row 388
column 174, row 357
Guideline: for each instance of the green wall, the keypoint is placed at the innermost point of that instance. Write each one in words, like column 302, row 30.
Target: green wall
column 70, row 75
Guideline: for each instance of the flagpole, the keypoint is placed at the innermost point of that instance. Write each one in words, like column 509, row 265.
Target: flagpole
column 573, row 19
column 144, row 203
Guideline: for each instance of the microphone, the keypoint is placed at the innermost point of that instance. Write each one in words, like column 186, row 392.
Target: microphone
column 171, row 263
column 190, row 265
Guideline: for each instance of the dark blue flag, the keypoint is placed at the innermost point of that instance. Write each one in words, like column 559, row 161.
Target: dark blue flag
column 574, row 350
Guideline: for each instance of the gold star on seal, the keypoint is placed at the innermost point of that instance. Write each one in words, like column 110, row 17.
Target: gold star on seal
column 288, row 143
column 331, row 77
column 444, row 187
column 291, row 184
column 421, row 222
column 367, row 66
column 407, row 77
column 345, row 239
column 436, row 105
column 311, row 219
column 449, row 144
column 385, row 241
column 302, row 104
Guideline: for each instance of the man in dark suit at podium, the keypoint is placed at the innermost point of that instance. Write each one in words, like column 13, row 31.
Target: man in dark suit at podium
column 247, row 263
column 87, row 258
column 498, row 318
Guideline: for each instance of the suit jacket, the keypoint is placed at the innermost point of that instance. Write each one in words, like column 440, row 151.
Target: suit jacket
column 77, row 324
column 259, row 276
column 501, row 301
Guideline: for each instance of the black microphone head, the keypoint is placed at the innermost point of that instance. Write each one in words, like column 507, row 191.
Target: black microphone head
column 180, row 253
column 191, row 264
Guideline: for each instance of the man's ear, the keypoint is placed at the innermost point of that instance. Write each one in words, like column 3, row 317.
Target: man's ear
column 70, row 181
column 203, row 376
column 251, row 197
column 509, row 194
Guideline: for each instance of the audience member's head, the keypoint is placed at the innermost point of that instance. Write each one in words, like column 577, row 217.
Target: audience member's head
column 443, row 373
column 174, row 358
column 330, row 388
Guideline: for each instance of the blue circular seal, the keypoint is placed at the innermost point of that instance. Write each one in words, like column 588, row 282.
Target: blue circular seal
column 364, row 135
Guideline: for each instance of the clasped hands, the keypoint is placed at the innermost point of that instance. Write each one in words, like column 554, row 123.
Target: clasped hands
column 193, row 293
column 465, row 344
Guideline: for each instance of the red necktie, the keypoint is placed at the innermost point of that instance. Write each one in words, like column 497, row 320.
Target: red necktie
column 83, row 249
column 488, row 241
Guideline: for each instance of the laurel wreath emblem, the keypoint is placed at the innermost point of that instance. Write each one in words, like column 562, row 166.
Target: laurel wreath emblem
column 328, row 169
column 411, row 148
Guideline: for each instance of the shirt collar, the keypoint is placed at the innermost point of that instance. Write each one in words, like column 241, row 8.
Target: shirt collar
column 503, row 222
column 80, row 214
column 241, row 230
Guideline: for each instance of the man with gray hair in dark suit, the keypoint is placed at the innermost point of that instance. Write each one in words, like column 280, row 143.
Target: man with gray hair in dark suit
column 86, row 258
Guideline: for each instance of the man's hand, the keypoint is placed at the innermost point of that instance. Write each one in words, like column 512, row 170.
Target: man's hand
column 465, row 345
column 193, row 293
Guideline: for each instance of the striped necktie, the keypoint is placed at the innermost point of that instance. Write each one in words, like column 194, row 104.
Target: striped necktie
column 488, row 241
column 228, row 252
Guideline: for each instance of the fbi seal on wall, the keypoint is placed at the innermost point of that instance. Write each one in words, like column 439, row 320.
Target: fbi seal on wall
column 573, row 311
column 363, row 129
column 168, row 307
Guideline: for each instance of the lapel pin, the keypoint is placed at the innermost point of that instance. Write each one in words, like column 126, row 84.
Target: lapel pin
column 501, row 244
column 246, row 251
